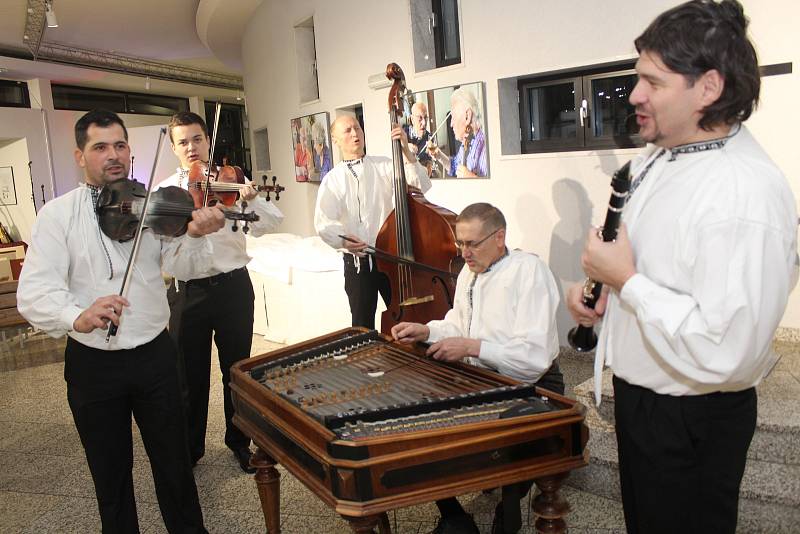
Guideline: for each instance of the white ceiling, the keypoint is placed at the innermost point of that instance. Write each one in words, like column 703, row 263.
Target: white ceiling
column 162, row 30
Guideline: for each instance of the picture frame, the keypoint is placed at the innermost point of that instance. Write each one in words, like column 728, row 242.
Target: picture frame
column 311, row 146
column 8, row 190
column 456, row 118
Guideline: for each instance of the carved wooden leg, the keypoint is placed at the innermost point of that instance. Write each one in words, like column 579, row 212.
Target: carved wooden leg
column 549, row 506
column 268, row 480
column 365, row 525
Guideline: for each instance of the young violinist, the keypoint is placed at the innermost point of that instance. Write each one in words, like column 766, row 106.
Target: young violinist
column 354, row 200
column 219, row 300
column 699, row 275
column 70, row 285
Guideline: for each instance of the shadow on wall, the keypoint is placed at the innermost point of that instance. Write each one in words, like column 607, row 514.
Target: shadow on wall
column 574, row 211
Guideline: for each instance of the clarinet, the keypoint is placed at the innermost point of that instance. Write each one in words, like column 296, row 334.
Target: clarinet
column 583, row 338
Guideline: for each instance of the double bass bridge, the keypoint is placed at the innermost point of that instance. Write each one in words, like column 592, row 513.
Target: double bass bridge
column 413, row 301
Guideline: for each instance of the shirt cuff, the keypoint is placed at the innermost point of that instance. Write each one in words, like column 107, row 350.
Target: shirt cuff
column 436, row 333
column 196, row 243
column 69, row 315
column 636, row 289
column 490, row 353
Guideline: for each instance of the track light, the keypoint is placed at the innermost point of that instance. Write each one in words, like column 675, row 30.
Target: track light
column 239, row 96
column 147, row 83
column 50, row 15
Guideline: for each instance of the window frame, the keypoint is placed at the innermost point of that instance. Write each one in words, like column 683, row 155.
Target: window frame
column 439, row 36
column 582, row 79
column 26, row 97
column 124, row 95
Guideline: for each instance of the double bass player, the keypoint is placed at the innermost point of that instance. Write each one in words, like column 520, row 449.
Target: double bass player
column 354, row 200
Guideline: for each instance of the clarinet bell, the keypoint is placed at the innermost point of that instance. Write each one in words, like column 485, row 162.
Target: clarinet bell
column 582, row 338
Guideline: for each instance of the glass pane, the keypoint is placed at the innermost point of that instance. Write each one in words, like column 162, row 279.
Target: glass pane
column 612, row 114
column 80, row 99
column 552, row 112
column 156, row 105
column 12, row 93
column 450, row 19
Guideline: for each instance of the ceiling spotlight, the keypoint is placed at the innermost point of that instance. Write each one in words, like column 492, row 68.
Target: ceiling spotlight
column 147, row 83
column 239, row 96
column 50, row 15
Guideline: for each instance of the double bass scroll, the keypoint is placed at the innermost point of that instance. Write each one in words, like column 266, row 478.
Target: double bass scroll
column 419, row 232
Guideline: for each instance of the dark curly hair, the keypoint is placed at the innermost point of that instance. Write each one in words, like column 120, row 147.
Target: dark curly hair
column 702, row 35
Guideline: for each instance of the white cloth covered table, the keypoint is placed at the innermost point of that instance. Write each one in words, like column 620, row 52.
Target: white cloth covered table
column 299, row 288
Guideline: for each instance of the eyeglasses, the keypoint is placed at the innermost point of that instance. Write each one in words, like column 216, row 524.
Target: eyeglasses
column 461, row 245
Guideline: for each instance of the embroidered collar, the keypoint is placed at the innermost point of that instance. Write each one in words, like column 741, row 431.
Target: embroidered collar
column 356, row 161
column 703, row 146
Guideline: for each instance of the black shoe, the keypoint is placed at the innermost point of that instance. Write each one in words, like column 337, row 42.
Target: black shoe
column 456, row 524
column 497, row 522
column 243, row 455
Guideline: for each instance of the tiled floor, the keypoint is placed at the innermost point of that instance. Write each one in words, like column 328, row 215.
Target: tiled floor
column 45, row 486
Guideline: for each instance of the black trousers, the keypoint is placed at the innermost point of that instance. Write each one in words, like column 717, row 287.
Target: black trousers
column 552, row 380
column 362, row 290
column 103, row 389
column 681, row 459
column 220, row 306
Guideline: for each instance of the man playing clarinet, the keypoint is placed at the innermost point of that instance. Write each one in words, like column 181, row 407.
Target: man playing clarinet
column 699, row 275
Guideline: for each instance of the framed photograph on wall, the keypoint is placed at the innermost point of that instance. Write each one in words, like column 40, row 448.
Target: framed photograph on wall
column 311, row 147
column 8, row 190
column 448, row 126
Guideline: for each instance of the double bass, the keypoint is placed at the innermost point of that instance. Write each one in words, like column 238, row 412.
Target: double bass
column 422, row 234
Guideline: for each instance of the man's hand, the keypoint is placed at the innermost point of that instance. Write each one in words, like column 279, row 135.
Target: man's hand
column 354, row 245
column 247, row 192
column 98, row 315
column 453, row 349
column 399, row 133
column 410, row 332
column 582, row 314
column 205, row 221
column 610, row 263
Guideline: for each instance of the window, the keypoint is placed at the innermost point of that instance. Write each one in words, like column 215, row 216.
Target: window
column 588, row 109
column 306, row 56
column 232, row 143
column 445, row 32
column 436, row 34
column 14, row 94
column 86, row 98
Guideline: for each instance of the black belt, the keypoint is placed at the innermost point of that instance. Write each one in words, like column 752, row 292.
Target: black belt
column 217, row 278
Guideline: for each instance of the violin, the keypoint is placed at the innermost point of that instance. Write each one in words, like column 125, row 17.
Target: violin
column 224, row 184
column 169, row 210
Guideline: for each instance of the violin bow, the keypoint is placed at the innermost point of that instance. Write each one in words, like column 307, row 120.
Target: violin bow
column 112, row 328
column 398, row 259
column 433, row 135
column 211, row 152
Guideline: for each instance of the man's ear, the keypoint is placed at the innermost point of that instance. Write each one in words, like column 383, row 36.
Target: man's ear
column 713, row 83
column 79, row 159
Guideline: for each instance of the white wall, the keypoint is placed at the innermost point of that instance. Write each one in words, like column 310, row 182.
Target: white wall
column 18, row 218
column 548, row 199
column 27, row 124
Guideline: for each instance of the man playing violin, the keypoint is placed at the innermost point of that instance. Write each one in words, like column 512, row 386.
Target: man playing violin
column 698, row 277
column 219, row 301
column 354, row 200
column 69, row 285
column 503, row 319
